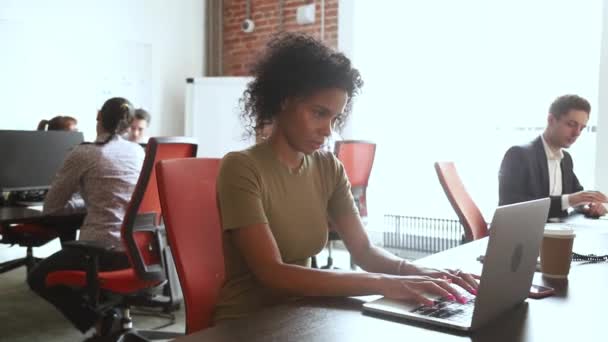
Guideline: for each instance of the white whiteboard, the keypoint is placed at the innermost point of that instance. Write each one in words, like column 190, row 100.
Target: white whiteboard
column 212, row 115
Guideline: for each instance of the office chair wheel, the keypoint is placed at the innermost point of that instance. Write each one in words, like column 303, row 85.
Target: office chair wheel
column 330, row 264
column 111, row 322
column 313, row 262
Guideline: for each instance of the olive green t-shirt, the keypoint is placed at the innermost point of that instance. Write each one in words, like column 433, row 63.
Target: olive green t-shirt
column 254, row 187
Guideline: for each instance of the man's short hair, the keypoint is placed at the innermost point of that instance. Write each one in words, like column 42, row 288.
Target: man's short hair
column 565, row 103
column 142, row 114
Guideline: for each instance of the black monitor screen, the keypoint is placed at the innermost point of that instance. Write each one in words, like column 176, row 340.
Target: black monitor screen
column 30, row 159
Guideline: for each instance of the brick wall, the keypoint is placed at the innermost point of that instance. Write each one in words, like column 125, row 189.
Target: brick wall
column 240, row 49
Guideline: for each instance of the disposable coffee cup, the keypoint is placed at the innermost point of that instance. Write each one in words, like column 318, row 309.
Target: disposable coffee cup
column 556, row 252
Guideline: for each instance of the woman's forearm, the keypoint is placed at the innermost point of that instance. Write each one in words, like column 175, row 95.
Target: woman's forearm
column 377, row 260
column 304, row 281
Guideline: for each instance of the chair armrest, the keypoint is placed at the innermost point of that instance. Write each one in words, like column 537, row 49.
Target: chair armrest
column 146, row 223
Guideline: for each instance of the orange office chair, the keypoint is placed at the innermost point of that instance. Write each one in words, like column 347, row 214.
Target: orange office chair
column 475, row 227
column 188, row 196
column 357, row 156
column 142, row 237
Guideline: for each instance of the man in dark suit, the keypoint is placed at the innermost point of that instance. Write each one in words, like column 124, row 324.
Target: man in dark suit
column 542, row 168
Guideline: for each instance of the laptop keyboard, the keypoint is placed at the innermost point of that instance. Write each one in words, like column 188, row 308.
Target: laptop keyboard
column 450, row 310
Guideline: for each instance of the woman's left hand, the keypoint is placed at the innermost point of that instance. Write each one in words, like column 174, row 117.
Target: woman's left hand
column 467, row 281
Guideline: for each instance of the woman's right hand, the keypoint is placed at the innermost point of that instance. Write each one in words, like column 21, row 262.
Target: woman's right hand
column 417, row 288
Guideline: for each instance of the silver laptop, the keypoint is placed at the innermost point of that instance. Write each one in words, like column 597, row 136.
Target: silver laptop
column 510, row 261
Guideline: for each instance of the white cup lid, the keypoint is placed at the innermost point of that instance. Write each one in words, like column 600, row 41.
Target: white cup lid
column 559, row 231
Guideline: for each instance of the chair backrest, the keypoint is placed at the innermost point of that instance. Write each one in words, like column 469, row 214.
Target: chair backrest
column 188, row 196
column 143, row 215
column 475, row 227
column 357, row 156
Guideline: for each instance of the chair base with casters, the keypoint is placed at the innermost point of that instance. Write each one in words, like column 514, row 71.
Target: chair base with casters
column 112, row 294
column 118, row 326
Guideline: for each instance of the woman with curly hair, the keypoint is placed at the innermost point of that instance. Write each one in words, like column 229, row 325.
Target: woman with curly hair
column 276, row 197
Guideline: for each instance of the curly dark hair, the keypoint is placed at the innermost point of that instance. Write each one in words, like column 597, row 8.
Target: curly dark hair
column 295, row 65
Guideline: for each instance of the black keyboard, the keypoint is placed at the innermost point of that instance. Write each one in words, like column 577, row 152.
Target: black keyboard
column 27, row 198
column 450, row 310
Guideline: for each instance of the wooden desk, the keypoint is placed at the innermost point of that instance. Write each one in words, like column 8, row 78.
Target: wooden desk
column 10, row 215
column 575, row 313
column 16, row 215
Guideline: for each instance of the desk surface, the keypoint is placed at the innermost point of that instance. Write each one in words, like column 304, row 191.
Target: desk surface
column 575, row 313
column 12, row 215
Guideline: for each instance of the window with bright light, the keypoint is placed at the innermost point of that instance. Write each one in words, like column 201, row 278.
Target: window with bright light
column 463, row 81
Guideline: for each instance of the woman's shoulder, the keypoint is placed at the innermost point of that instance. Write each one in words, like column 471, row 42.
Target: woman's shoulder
column 240, row 166
column 135, row 147
column 82, row 150
column 239, row 159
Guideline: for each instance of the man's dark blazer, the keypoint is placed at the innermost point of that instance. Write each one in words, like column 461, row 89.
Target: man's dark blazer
column 524, row 176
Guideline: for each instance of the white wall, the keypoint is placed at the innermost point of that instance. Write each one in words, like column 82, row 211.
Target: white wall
column 68, row 56
column 346, row 44
column 601, row 161
column 216, row 100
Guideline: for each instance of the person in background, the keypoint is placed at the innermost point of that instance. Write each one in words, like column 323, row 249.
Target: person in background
column 542, row 168
column 139, row 125
column 59, row 123
column 275, row 198
column 104, row 173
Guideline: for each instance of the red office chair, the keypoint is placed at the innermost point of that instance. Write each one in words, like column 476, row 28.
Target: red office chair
column 143, row 242
column 28, row 236
column 358, row 158
column 188, row 196
column 475, row 227
column 31, row 235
